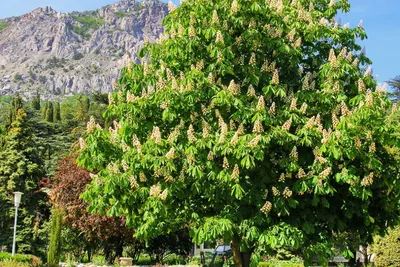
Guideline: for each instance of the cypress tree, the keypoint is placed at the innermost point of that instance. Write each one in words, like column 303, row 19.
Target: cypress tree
column 82, row 113
column 16, row 105
column 53, row 256
column 50, row 112
column 36, row 102
column 57, row 112
column 44, row 110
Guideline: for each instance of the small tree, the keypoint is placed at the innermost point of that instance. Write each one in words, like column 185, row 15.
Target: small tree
column 54, row 253
column 69, row 183
column 257, row 122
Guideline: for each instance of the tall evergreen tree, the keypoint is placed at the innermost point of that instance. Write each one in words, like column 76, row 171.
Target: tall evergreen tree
column 53, row 256
column 15, row 106
column 20, row 170
column 82, row 113
column 44, row 110
column 57, row 112
column 36, row 102
column 50, row 112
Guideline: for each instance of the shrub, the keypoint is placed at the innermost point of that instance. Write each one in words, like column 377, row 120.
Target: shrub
column 42, row 79
column 18, row 258
column 78, row 56
column 174, row 259
column 387, row 248
column 144, row 260
column 17, row 77
column 99, row 260
column 120, row 15
column 277, row 263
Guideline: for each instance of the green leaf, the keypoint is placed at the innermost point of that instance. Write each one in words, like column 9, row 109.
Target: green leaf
column 237, row 191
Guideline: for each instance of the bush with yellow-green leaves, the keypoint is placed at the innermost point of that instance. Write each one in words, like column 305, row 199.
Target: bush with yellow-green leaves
column 387, row 249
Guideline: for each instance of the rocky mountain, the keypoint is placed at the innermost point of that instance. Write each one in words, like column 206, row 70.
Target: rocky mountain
column 80, row 52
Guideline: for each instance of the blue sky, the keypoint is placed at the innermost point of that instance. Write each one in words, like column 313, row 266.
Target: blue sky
column 381, row 21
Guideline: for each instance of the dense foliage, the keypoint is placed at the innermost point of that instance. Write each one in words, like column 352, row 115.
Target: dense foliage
column 21, row 168
column 109, row 232
column 257, row 122
column 30, row 145
column 387, row 249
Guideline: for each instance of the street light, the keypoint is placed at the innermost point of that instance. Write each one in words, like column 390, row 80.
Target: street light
column 17, row 201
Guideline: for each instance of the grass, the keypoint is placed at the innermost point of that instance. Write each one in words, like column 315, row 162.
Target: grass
column 3, row 25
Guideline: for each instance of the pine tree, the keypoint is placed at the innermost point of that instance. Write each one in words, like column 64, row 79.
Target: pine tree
column 50, row 112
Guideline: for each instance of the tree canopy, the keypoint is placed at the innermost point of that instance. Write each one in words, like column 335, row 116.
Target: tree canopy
column 395, row 84
column 30, row 147
column 20, row 170
column 68, row 184
column 257, row 122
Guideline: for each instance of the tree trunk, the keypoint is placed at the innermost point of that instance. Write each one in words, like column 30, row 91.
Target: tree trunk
column 120, row 248
column 241, row 258
column 246, row 258
column 89, row 253
column 237, row 255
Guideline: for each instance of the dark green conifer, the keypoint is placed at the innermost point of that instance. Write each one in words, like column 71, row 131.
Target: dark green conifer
column 53, row 256
column 36, row 102
column 57, row 112
column 50, row 112
column 20, row 170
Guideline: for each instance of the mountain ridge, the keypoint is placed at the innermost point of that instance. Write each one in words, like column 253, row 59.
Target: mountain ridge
column 56, row 53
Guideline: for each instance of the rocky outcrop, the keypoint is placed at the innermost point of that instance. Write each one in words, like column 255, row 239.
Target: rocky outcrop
column 80, row 52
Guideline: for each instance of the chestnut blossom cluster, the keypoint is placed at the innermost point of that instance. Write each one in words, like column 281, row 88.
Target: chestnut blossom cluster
column 287, row 193
column 235, row 173
column 266, row 208
column 368, row 180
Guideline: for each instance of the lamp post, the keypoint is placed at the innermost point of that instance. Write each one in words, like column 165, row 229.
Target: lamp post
column 17, row 201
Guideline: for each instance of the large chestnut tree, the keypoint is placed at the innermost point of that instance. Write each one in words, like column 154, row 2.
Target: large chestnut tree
column 254, row 121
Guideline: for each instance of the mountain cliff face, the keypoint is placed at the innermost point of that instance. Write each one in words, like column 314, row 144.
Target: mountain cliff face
column 79, row 52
